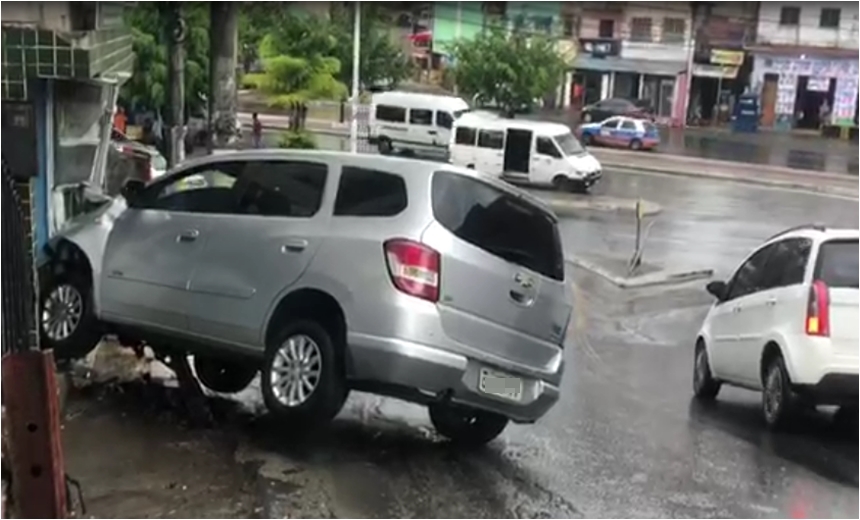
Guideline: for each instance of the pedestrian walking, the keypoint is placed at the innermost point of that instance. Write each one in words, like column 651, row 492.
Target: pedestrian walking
column 256, row 131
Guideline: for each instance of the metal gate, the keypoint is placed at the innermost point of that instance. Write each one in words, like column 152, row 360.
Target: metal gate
column 18, row 323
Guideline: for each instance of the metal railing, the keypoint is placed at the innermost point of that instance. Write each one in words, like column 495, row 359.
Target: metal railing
column 18, row 323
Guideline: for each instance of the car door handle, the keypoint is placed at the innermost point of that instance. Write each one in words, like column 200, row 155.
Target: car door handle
column 296, row 245
column 770, row 302
column 737, row 309
column 189, row 235
column 520, row 298
column 432, row 132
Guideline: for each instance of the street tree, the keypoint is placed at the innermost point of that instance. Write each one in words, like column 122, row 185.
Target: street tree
column 147, row 88
column 508, row 70
column 381, row 60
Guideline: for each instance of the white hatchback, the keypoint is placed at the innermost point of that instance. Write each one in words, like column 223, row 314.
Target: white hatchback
column 786, row 324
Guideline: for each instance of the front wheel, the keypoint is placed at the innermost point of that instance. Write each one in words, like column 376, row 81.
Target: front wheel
column 636, row 144
column 226, row 376
column 466, row 426
column 705, row 387
column 67, row 322
column 302, row 376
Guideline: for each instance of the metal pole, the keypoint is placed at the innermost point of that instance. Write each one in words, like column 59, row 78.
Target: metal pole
column 356, row 53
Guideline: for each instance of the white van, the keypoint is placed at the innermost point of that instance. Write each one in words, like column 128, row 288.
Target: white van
column 520, row 151
column 412, row 121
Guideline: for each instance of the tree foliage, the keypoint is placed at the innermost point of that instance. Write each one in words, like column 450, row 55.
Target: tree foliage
column 508, row 70
column 148, row 86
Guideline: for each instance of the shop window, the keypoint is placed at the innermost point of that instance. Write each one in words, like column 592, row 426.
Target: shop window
column 829, row 18
column 789, row 15
column 674, row 29
column 606, row 29
column 640, row 30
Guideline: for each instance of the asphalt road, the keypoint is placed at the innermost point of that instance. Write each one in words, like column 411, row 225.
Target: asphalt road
column 625, row 440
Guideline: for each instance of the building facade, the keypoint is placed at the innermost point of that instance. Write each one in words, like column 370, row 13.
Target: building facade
column 636, row 51
column 806, row 64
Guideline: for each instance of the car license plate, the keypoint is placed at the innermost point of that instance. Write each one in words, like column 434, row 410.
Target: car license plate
column 500, row 385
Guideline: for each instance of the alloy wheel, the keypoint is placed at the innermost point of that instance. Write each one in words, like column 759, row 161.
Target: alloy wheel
column 296, row 370
column 62, row 312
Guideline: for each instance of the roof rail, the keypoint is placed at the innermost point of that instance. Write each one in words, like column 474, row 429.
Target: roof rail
column 813, row 227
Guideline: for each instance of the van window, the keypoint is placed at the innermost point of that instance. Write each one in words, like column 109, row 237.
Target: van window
column 569, row 144
column 369, row 193
column 546, row 146
column 419, row 116
column 493, row 139
column 444, row 120
column 465, row 135
column 503, row 225
column 390, row 114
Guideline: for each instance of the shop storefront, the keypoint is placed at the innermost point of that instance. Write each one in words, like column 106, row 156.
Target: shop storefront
column 715, row 85
column 806, row 92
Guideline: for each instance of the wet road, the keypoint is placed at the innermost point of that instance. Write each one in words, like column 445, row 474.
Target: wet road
column 625, row 440
column 793, row 150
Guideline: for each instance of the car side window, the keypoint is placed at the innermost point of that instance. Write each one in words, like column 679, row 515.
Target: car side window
column 369, row 193
column 444, row 119
column 787, row 263
column 492, row 139
column 610, row 124
column 545, row 146
column 465, row 135
column 419, row 116
column 628, row 125
column 749, row 277
column 206, row 189
column 282, row 188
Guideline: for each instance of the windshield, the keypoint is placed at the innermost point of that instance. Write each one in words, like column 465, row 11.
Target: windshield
column 569, row 144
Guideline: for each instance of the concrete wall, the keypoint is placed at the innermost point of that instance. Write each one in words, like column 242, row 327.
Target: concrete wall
column 657, row 48
column 808, row 32
column 49, row 15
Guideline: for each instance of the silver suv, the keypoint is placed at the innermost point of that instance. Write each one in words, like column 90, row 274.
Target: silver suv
column 327, row 272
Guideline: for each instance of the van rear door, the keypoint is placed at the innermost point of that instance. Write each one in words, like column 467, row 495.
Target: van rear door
column 503, row 289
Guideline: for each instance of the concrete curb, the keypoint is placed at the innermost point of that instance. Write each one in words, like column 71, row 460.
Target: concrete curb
column 647, row 280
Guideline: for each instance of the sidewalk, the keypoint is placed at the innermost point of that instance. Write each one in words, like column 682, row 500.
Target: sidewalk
column 689, row 166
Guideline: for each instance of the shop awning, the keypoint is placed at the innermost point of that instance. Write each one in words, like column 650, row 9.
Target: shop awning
column 651, row 67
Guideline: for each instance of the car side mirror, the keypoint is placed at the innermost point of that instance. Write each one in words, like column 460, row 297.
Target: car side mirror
column 718, row 289
column 131, row 190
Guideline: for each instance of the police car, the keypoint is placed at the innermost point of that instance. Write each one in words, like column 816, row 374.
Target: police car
column 620, row 132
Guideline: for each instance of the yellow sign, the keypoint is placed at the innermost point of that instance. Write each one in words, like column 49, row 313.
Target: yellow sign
column 730, row 58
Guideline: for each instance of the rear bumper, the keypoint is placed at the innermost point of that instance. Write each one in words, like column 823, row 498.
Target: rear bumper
column 431, row 373
column 832, row 389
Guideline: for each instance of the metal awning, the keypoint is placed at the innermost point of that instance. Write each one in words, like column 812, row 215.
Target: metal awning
column 653, row 67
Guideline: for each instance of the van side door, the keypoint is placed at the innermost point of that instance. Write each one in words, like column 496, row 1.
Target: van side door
column 422, row 133
column 444, row 122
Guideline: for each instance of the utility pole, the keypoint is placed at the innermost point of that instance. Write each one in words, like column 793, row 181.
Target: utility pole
column 356, row 57
column 176, row 33
column 223, row 52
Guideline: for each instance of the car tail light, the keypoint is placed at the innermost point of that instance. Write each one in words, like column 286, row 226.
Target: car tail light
column 414, row 268
column 818, row 310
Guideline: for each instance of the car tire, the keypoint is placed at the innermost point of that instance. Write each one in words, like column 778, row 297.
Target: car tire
column 306, row 347
column 635, row 144
column 705, row 387
column 777, row 397
column 67, row 320
column 466, row 426
column 384, row 145
column 224, row 375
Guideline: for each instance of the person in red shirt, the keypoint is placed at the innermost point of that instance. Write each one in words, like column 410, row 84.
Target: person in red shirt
column 120, row 121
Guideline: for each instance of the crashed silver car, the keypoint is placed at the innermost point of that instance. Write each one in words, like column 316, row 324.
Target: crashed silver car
column 326, row 272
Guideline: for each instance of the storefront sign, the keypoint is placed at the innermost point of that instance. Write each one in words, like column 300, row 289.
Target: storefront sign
column 714, row 71
column 727, row 58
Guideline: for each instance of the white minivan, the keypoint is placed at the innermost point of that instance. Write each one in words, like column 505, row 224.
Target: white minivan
column 415, row 122
column 520, row 151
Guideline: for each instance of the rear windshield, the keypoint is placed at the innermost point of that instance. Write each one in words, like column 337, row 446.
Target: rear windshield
column 499, row 223
column 837, row 263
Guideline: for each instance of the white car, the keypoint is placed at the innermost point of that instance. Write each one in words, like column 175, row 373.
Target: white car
column 786, row 324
